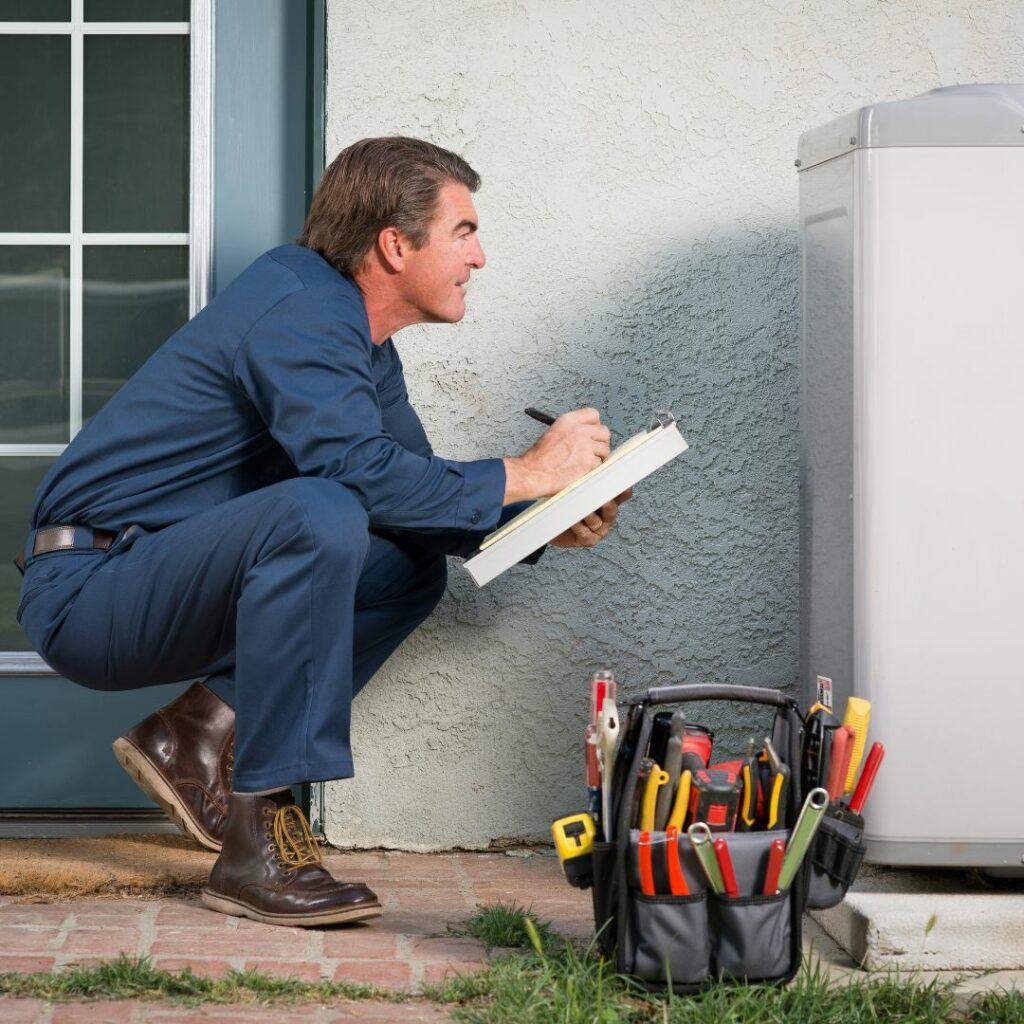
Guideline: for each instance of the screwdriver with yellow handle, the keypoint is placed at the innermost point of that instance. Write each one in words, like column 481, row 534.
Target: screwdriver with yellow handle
column 857, row 717
column 750, row 776
column 681, row 805
column 777, row 798
column 657, row 779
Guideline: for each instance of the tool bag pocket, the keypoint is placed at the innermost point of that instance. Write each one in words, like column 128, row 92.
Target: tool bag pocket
column 752, row 937
column 673, row 944
column 604, row 894
column 835, row 861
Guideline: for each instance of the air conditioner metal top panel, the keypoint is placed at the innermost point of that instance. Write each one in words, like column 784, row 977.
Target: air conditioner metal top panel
column 956, row 115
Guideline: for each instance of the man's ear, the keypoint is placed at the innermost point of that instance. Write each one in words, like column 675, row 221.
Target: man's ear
column 392, row 248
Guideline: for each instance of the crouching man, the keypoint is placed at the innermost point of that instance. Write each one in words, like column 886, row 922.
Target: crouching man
column 259, row 506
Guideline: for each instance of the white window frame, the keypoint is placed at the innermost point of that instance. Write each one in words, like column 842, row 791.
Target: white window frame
column 198, row 238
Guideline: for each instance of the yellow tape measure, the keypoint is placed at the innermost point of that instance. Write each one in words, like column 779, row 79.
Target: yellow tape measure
column 574, row 841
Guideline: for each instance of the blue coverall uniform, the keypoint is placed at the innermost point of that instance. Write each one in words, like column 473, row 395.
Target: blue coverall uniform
column 288, row 519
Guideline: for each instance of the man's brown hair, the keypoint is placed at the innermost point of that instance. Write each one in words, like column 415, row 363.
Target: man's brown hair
column 375, row 184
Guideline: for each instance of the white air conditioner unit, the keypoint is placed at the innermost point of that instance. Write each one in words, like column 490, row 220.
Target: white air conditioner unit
column 912, row 438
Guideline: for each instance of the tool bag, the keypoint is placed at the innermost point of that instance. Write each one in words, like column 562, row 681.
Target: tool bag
column 686, row 942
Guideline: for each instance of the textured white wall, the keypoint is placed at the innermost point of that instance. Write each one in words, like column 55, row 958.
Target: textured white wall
column 639, row 214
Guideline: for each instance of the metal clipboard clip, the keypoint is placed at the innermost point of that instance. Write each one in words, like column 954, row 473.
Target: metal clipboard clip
column 661, row 419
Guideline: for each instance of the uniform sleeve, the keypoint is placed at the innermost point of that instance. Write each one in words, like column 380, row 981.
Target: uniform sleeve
column 463, row 543
column 306, row 367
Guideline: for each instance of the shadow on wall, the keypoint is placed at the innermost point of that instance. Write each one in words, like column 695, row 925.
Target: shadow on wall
column 710, row 331
column 473, row 730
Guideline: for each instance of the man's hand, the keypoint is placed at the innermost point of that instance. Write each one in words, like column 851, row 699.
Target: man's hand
column 572, row 446
column 595, row 527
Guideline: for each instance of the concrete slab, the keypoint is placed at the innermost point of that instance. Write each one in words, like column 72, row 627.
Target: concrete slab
column 896, row 919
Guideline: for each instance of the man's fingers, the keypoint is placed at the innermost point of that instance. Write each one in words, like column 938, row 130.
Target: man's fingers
column 602, row 449
column 624, row 496
column 585, row 415
column 602, row 434
column 594, row 521
column 609, row 512
column 585, row 537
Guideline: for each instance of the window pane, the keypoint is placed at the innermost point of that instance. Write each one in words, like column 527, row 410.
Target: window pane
column 35, row 10
column 136, row 133
column 136, row 10
column 35, row 129
column 33, row 344
column 19, row 478
column 136, row 297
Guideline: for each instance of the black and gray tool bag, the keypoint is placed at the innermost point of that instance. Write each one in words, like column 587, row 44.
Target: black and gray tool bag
column 685, row 942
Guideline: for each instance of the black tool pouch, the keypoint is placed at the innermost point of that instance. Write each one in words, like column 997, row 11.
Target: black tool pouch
column 835, row 857
column 603, row 893
column 686, row 942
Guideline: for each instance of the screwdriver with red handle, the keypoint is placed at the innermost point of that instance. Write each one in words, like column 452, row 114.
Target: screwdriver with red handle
column 839, row 761
column 851, row 812
column 771, row 877
column 721, row 848
column 867, row 777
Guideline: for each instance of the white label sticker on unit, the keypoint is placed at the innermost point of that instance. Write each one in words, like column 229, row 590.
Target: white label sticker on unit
column 825, row 691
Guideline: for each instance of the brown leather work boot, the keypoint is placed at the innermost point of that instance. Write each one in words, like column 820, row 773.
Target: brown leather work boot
column 271, row 869
column 183, row 758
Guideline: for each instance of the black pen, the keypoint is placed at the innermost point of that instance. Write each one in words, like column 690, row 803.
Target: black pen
column 541, row 417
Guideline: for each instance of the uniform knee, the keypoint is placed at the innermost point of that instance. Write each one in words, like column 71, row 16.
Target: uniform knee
column 326, row 510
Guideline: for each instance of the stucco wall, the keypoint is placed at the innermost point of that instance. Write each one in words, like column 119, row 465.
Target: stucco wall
column 639, row 214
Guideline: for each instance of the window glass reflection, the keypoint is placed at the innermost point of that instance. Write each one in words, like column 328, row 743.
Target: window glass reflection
column 35, row 10
column 135, row 10
column 135, row 298
column 136, row 143
column 35, row 133
column 33, row 344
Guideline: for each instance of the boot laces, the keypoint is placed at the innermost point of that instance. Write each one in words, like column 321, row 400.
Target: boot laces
column 295, row 841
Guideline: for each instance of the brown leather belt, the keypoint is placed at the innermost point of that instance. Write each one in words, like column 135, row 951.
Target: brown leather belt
column 67, row 538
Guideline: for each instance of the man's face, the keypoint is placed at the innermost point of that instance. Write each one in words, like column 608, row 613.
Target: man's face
column 437, row 275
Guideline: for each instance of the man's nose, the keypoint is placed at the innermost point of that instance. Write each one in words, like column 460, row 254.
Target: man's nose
column 476, row 254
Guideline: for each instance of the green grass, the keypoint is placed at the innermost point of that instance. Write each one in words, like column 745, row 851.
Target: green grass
column 572, row 987
column 1000, row 1007
column 130, row 977
column 504, row 924
column 551, row 981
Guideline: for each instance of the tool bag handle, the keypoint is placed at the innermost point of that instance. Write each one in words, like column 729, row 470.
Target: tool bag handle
column 718, row 691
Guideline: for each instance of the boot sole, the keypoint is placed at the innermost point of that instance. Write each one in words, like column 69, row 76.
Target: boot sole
column 150, row 780
column 226, row 905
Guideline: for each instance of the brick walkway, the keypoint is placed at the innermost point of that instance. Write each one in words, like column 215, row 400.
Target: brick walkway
column 421, row 894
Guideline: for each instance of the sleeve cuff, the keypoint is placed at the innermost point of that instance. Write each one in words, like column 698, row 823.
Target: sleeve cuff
column 483, row 491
